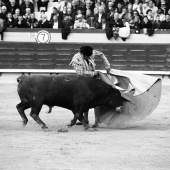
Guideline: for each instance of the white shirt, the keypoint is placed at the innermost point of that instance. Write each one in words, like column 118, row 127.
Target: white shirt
column 100, row 18
column 55, row 26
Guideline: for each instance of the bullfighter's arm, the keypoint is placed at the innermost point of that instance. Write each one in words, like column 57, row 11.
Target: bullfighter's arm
column 103, row 57
column 79, row 67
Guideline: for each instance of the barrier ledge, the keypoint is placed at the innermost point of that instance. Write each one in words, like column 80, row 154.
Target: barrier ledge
column 59, row 71
column 83, row 36
column 11, row 75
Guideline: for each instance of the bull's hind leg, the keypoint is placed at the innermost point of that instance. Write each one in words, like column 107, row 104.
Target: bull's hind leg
column 35, row 110
column 21, row 107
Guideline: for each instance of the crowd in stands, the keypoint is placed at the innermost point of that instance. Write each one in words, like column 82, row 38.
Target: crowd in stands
column 86, row 14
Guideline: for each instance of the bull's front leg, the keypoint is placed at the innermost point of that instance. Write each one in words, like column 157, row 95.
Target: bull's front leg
column 81, row 118
column 96, row 113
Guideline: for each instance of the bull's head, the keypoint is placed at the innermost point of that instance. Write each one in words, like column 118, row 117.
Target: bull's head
column 115, row 100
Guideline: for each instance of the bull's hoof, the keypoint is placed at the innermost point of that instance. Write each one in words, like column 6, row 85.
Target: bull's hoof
column 69, row 125
column 24, row 123
column 45, row 129
column 95, row 126
column 79, row 123
column 90, row 129
column 63, row 130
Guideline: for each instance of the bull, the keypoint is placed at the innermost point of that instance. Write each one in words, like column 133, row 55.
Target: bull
column 74, row 92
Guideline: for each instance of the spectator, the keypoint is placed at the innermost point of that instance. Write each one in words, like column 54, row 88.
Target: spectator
column 163, row 7
column 79, row 12
column 80, row 5
column 55, row 22
column 124, row 14
column 80, row 23
column 55, row 12
column 88, row 14
column 44, row 23
column 150, row 15
column 20, row 22
column 26, row 4
column 115, row 21
column 146, row 24
column 114, row 3
column 151, row 6
column 63, row 13
column 74, row 7
column 161, row 15
column 12, row 6
column 99, row 3
column 27, row 15
column 88, row 7
column 17, row 13
column 2, row 28
column 70, row 14
column 137, row 23
column 129, row 10
column 109, row 8
column 119, row 8
column 100, row 15
column 6, row 2
column 41, row 14
column 9, row 22
column 140, row 9
column 3, row 13
column 157, row 22
column 168, row 12
column 136, row 5
column 125, row 3
column 92, row 23
column 2, row 4
column 67, row 22
column 64, row 3
column 110, row 15
column 42, row 3
column 32, row 21
column 166, row 24
column 131, row 20
column 96, row 8
column 102, row 25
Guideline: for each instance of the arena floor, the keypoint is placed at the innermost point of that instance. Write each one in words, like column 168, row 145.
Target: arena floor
column 143, row 145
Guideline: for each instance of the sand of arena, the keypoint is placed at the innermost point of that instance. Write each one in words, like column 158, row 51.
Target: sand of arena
column 143, row 145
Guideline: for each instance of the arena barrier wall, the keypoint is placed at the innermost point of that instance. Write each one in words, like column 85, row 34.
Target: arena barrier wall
column 20, row 52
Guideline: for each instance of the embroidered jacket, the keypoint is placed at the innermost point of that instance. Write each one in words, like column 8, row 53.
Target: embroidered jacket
column 83, row 67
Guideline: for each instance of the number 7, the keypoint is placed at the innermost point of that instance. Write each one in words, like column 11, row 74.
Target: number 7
column 43, row 36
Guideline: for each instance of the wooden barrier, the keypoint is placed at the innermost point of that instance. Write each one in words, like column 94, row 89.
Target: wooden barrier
column 142, row 57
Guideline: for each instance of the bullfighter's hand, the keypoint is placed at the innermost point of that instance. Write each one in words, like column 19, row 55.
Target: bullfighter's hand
column 108, row 70
column 95, row 73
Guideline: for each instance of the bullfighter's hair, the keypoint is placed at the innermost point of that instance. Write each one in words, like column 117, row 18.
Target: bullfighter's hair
column 86, row 50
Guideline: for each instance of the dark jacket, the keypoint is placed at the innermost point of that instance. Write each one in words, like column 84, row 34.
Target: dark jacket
column 165, row 25
column 22, row 25
column 96, row 16
column 3, row 16
column 32, row 23
column 9, row 24
column 23, row 7
column 46, row 24
column 12, row 8
column 147, row 25
column 112, row 23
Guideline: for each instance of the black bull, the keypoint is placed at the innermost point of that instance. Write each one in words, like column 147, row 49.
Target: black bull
column 74, row 92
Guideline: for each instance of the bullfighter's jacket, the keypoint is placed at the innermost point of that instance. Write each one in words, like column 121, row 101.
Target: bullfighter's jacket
column 87, row 68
